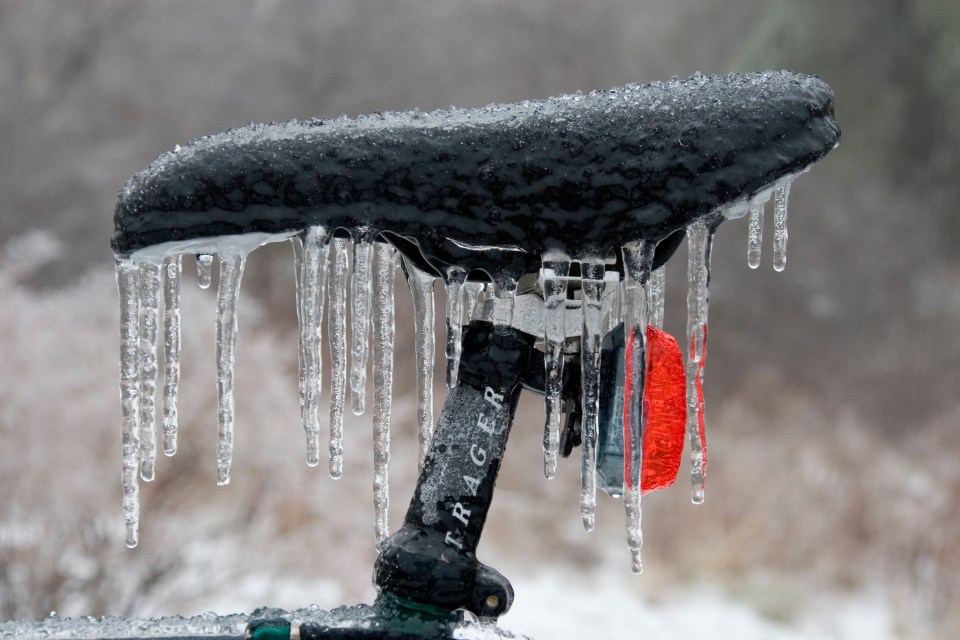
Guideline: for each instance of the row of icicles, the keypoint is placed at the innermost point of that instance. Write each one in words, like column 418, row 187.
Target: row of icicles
column 150, row 315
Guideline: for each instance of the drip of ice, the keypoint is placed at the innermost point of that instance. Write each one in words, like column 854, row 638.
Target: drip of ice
column 360, row 322
column 637, row 261
column 455, row 277
column 780, row 227
column 231, row 272
column 150, row 279
column 204, row 270
column 656, row 296
column 337, row 325
column 128, row 276
column 383, row 339
column 421, row 291
column 592, row 272
column 311, row 280
column 755, row 234
column 699, row 241
column 554, row 272
column 172, row 271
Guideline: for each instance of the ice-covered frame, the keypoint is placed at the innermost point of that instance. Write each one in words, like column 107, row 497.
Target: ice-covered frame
column 490, row 194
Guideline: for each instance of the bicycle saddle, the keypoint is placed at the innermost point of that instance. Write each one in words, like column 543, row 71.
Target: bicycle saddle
column 491, row 189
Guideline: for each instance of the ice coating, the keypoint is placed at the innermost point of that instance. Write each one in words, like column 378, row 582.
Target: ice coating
column 780, row 227
column 383, row 338
column 553, row 274
column 311, row 281
column 150, row 279
column 699, row 240
column 128, row 285
column 228, row 294
column 360, row 322
column 172, row 272
column 337, row 325
column 421, row 292
column 591, row 272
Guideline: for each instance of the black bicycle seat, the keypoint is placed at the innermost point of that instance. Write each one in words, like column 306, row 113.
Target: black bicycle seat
column 491, row 189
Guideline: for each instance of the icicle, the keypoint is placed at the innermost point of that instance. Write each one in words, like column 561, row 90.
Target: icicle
column 337, row 325
column 699, row 240
column 149, row 317
column 755, row 234
column 656, row 296
column 471, row 293
column 228, row 294
column 128, row 275
column 455, row 277
column 592, row 272
column 172, row 271
column 421, row 291
column 311, row 281
column 554, row 272
column 637, row 260
column 204, row 270
column 360, row 322
column 631, row 502
column 780, row 227
column 383, row 339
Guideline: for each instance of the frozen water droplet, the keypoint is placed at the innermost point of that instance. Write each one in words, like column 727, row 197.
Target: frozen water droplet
column 699, row 242
column 204, row 270
column 150, row 278
column 311, row 280
column 421, row 291
column 554, row 272
column 755, row 234
column 360, row 322
column 383, row 342
column 592, row 272
column 455, row 277
column 337, row 325
column 228, row 294
column 780, row 227
column 172, row 272
column 128, row 276
column 657, row 296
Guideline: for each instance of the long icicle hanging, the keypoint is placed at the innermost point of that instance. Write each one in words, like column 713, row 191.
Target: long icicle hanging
column 311, row 274
column 699, row 240
column 421, row 292
column 591, row 272
column 337, row 326
column 172, row 272
column 360, row 321
column 637, row 260
column 150, row 279
column 780, row 208
column 383, row 342
column 228, row 294
column 128, row 276
column 554, row 273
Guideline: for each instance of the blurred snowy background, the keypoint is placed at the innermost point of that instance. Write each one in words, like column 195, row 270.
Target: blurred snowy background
column 833, row 499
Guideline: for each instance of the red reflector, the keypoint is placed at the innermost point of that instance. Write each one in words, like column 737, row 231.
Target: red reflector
column 665, row 411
